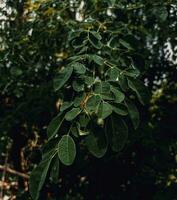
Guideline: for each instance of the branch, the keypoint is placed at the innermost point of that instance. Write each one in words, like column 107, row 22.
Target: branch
column 12, row 171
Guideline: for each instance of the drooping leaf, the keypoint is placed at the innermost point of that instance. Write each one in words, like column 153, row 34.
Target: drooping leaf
column 67, row 150
column 38, row 176
column 62, row 78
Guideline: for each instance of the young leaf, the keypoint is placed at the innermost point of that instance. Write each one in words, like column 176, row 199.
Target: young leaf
column 72, row 114
column 54, row 125
column 104, row 110
column 133, row 113
column 62, row 78
column 67, row 150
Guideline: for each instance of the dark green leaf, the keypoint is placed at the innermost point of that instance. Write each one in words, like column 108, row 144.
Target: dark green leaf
column 105, row 109
column 72, row 114
column 54, row 172
column 97, row 145
column 79, row 68
column 62, row 78
column 54, row 125
column 38, row 176
column 139, row 88
column 133, row 113
column 67, row 150
column 119, row 96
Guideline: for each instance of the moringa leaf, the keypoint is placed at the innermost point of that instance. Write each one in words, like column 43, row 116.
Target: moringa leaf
column 62, row 78
column 66, row 150
column 72, row 114
column 133, row 113
column 54, row 125
column 104, row 110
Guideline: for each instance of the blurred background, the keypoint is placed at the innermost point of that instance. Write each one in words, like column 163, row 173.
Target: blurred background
column 33, row 43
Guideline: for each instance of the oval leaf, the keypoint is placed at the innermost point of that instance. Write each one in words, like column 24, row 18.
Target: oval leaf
column 66, row 150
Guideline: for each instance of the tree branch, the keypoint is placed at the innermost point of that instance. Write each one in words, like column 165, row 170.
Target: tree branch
column 12, row 171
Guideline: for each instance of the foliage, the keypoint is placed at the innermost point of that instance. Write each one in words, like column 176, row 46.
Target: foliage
column 81, row 63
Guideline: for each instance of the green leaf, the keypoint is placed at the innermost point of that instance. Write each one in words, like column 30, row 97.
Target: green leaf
column 113, row 74
column 125, row 44
column 89, row 80
column 79, row 68
column 119, row 134
column 67, row 150
column 62, row 78
column 38, row 176
column 132, row 72
column 119, row 109
column 65, row 105
column 95, row 41
column 97, row 59
column 72, row 114
column 97, row 145
column 119, row 96
column 54, row 125
column 123, row 83
column 54, row 172
column 133, row 113
column 78, row 99
column 105, row 109
column 102, row 87
column 140, row 89
column 78, row 85
column 93, row 103
column 96, row 35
